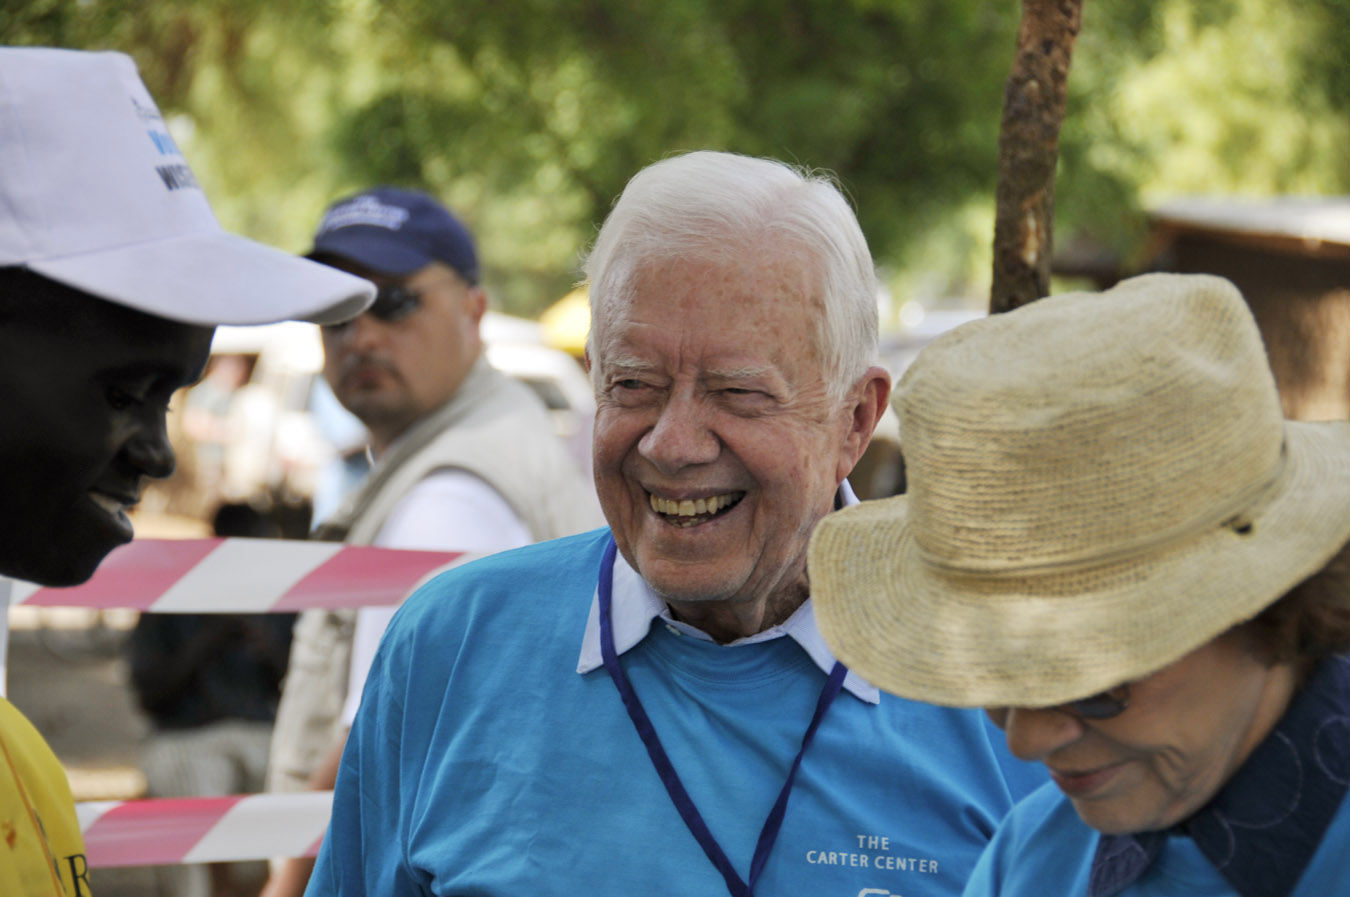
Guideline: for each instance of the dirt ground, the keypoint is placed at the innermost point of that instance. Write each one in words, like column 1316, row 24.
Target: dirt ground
column 72, row 684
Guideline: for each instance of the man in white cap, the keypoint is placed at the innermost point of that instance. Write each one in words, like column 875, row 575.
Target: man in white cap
column 113, row 275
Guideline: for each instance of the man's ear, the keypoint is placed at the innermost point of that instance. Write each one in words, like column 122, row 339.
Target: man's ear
column 475, row 302
column 867, row 402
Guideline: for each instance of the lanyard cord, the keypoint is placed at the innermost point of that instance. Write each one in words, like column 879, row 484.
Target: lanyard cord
column 666, row 770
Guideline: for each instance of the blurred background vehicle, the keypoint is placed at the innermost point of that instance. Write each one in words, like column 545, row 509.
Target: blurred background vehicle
column 263, row 427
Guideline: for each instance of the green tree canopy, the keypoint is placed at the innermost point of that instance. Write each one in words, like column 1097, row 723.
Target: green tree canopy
column 528, row 116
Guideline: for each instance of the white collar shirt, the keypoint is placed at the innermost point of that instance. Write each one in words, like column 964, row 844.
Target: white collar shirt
column 634, row 605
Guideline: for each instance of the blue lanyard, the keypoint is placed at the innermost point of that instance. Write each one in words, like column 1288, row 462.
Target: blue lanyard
column 674, row 787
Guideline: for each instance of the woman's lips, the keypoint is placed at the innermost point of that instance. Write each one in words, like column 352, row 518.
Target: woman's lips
column 1081, row 784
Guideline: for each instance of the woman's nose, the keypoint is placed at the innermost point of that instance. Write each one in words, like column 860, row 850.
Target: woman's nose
column 1035, row 733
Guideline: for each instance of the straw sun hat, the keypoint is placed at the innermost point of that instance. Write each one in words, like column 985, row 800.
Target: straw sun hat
column 1099, row 484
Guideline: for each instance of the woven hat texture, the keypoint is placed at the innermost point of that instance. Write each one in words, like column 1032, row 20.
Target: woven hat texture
column 1098, row 485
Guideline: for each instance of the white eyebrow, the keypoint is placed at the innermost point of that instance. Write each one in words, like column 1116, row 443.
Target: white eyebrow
column 748, row 372
column 626, row 364
column 629, row 364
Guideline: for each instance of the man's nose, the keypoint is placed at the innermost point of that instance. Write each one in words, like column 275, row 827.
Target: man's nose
column 148, row 450
column 682, row 436
column 1035, row 733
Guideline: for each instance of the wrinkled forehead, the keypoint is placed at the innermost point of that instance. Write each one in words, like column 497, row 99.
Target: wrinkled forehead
column 722, row 294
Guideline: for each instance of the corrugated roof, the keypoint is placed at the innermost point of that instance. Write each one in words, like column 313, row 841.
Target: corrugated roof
column 1312, row 219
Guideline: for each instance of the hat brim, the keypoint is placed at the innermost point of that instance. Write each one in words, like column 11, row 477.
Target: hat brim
column 1041, row 639
column 212, row 278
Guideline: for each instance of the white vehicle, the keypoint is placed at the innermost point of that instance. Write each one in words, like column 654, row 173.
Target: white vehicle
column 286, row 426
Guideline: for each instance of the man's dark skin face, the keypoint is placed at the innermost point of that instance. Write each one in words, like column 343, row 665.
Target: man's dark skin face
column 87, row 385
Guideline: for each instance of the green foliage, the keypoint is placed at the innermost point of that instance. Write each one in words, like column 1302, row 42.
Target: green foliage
column 1236, row 97
column 527, row 116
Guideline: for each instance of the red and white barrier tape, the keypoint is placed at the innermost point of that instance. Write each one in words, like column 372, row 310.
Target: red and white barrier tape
column 228, row 576
column 166, row 832
column 245, row 576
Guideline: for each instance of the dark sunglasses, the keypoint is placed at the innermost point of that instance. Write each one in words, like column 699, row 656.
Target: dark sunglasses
column 393, row 302
column 1104, row 705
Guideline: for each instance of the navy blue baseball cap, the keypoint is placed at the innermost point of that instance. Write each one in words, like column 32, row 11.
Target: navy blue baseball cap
column 395, row 232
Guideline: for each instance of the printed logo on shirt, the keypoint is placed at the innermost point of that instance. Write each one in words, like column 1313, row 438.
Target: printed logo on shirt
column 30, row 858
column 872, row 852
column 78, row 875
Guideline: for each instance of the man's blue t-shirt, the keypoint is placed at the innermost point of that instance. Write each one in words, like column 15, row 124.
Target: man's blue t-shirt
column 482, row 762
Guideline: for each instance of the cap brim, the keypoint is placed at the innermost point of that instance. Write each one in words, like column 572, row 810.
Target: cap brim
column 1042, row 639
column 213, row 278
column 372, row 248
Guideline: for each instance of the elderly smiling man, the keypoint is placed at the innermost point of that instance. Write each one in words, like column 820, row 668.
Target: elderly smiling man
column 650, row 709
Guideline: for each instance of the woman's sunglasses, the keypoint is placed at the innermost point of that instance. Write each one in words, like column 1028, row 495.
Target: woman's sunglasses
column 1104, row 705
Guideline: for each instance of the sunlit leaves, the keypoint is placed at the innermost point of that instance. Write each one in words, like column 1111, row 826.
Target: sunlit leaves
column 528, row 116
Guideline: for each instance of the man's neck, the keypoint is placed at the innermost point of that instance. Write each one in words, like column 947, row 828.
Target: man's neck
column 381, row 439
column 727, row 621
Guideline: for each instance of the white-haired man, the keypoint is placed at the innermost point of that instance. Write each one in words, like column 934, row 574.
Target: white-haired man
column 650, row 709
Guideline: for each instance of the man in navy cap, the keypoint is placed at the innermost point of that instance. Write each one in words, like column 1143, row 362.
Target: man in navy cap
column 411, row 352
column 465, row 457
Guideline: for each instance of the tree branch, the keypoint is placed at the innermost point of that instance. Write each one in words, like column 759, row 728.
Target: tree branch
column 1028, row 147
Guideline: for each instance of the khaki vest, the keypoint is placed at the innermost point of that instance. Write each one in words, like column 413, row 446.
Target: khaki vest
column 493, row 427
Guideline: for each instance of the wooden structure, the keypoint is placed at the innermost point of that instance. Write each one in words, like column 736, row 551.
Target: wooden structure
column 1289, row 256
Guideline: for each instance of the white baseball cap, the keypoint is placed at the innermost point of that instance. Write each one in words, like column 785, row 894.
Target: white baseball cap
column 95, row 194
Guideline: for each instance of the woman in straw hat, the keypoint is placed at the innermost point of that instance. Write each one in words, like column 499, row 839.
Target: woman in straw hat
column 1115, row 543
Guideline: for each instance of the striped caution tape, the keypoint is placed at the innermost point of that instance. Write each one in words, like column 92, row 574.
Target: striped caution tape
column 233, row 575
column 170, row 831
column 240, row 575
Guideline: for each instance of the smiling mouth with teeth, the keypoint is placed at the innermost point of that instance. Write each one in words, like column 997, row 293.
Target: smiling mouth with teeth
column 691, row 512
column 109, row 503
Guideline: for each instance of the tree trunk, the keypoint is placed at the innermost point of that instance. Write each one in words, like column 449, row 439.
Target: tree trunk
column 1028, row 146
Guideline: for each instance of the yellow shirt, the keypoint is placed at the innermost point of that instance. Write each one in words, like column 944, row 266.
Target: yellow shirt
column 41, row 848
